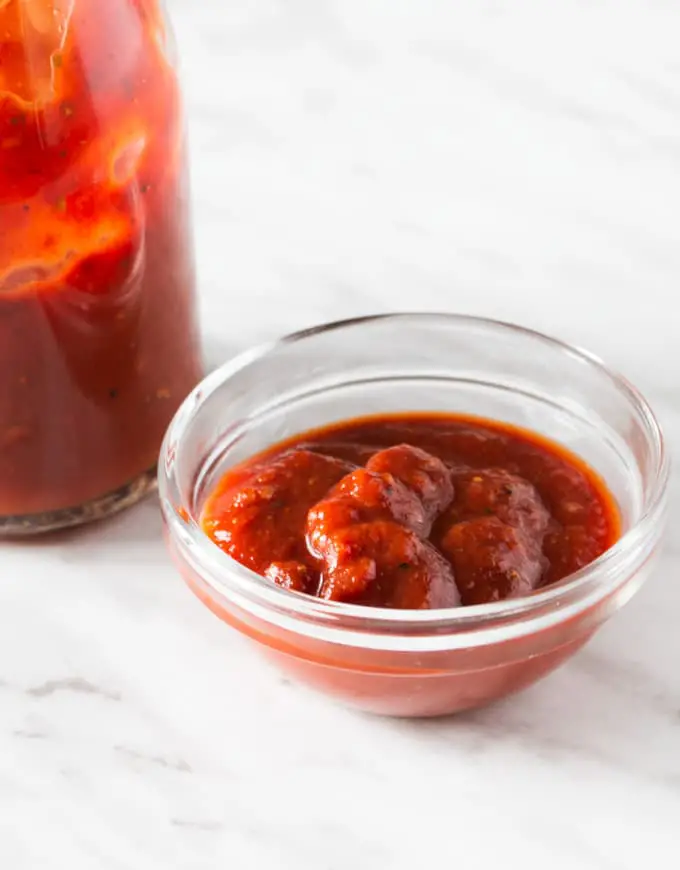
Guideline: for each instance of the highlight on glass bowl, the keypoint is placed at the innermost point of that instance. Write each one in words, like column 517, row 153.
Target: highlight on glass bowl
column 415, row 513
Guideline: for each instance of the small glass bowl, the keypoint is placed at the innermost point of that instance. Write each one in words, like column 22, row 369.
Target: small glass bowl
column 416, row 663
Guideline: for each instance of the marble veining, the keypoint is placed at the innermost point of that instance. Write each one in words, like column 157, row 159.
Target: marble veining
column 351, row 156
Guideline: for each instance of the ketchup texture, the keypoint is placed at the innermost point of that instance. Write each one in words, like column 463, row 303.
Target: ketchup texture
column 98, row 335
column 415, row 511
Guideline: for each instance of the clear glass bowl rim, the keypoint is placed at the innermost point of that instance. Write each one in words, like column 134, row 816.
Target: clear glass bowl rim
column 229, row 580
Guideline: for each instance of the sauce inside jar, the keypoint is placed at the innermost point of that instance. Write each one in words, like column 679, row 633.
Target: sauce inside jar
column 413, row 511
column 98, row 333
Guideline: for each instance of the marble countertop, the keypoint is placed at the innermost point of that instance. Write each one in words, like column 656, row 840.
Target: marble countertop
column 515, row 160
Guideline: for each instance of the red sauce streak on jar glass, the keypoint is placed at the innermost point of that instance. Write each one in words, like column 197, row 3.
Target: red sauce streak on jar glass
column 98, row 334
column 415, row 511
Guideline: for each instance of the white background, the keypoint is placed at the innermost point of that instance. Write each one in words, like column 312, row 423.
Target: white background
column 520, row 160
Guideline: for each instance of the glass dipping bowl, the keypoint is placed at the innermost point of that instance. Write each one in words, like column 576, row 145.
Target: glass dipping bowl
column 399, row 662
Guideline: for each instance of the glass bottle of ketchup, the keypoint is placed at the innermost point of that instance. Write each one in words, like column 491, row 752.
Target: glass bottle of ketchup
column 98, row 331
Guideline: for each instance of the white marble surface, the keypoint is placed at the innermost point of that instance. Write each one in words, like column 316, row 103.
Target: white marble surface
column 520, row 160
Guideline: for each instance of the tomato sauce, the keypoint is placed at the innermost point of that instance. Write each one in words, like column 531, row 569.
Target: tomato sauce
column 98, row 331
column 413, row 511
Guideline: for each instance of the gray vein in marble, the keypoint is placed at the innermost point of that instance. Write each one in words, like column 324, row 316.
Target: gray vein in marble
column 666, row 98
column 557, row 732
column 527, row 90
column 197, row 825
column 631, row 678
column 30, row 735
column 300, row 21
column 78, row 685
column 177, row 764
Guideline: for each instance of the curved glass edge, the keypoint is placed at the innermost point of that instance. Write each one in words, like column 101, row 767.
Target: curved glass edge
column 384, row 628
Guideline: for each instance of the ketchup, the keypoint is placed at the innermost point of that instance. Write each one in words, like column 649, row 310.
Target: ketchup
column 418, row 511
column 98, row 331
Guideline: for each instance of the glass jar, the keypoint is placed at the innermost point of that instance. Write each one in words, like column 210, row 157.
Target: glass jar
column 98, row 330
